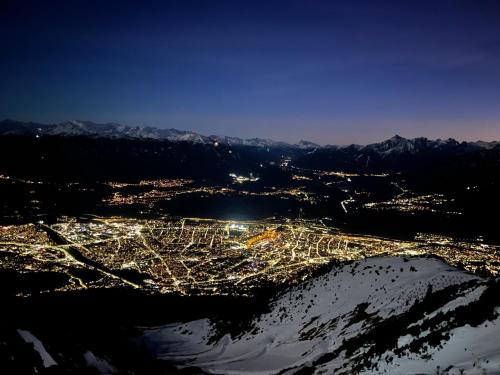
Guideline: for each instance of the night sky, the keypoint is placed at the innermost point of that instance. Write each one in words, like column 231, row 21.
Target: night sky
column 327, row 71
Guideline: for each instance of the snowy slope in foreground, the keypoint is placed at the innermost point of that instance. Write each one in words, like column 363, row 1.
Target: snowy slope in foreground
column 378, row 315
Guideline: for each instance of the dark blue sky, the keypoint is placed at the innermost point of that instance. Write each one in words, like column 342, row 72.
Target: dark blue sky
column 327, row 71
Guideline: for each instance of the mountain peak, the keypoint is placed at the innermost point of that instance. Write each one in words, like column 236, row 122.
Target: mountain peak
column 397, row 137
column 307, row 144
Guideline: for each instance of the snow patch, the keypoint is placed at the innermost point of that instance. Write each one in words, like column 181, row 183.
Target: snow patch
column 38, row 346
column 99, row 364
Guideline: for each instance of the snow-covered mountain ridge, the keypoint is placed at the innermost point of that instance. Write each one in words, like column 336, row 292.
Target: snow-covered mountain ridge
column 117, row 131
column 378, row 315
column 394, row 145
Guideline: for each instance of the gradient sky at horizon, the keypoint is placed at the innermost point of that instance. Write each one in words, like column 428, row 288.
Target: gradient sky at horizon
column 333, row 72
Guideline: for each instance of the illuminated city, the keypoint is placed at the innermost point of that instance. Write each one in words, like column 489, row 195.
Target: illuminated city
column 193, row 255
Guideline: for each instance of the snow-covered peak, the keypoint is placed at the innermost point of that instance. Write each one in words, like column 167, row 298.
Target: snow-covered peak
column 395, row 144
column 114, row 130
column 401, row 145
column 486, row 145
column 306, row 144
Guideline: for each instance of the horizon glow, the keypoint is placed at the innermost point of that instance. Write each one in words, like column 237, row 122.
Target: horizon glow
column 329, row 72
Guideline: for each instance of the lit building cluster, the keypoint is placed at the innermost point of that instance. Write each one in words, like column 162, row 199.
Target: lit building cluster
column 160, row 183
column 152, row 196
column 157, row 193
column 238, row 179
column 430, row 202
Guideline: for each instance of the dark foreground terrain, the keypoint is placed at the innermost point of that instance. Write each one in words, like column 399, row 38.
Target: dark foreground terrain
column 379, row 315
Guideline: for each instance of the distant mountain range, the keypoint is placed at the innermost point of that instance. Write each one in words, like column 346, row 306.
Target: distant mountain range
column 85, row 150
column 118, row 131
column 394, row 145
